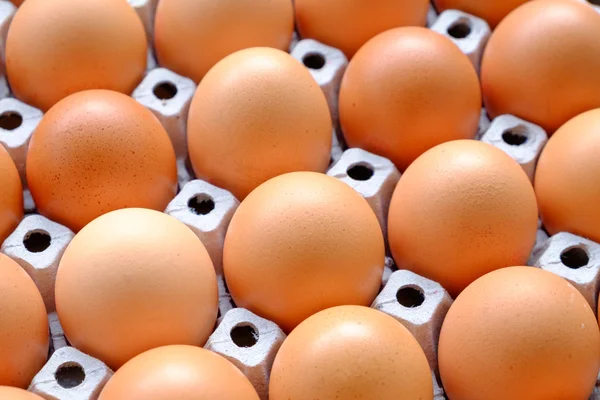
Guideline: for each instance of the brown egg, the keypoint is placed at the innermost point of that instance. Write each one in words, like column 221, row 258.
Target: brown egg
column 567, row 180
column 493, row 11
column 350, row 352
column 300, row 243
column 132, row 280
column 406, row 91
column 55, row 48
column 98, row 151
column 23, row 326
column 12, row 393
column 519, row 333
column 11, row 195
column 257, row 114
column 191, row 36
column 17, row 2
column 178, row 372
column 552, row 75
column 348, row 25
column 461, row 210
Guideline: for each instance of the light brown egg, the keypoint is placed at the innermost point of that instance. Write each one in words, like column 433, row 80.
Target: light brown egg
column 493, row 11
column 11, row 195
column 132, row 280
column 178, row 372
column 300, row 243
column 348, row 24
column 542, row 62
column 406, row 91
column 55, row 48
column 567, row 180
column 191, row 36
column 98, row 151
column 519, row 333
column 12, row 393
column 462, row 209
column 350, row 352
column 23, row 326
column 257, row 114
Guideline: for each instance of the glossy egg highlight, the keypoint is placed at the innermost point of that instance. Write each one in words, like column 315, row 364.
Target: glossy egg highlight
column 132, row 280
column 519, row 333
column 11, row 195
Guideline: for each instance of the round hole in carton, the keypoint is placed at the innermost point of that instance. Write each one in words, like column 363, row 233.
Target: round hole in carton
column 314, row 60
column 410, row 297
column 69, row 375
column 460, row 29
column 515, row 136
column 244, row 335
column 10, row 120
column 37, row 241
column 165, row 90
column 201, row 204
column 574, row 257
column 360, row 172
column 594, row 2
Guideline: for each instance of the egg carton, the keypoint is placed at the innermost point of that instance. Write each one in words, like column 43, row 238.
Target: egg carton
column 467, row 31
column 146, row 9
column 58, row 340
column 521, row 140
column 70, row 374
column 7, row 12
column 432, row 16
column 484, row 124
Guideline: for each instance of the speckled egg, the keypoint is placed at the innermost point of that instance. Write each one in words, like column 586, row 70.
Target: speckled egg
column 350, row 352
column 300, row 243
column 98, row 151
column 191, row 36
column 519, row 333
column 406, row 91
column 493, row 11
column 552, row 75
column 55, row 48
column 12, row 393
column 462, row 209
column 24, row 336
column 348, row 24
column 257, row 114
column 132, row 280
column 567, row 180
column 11, row 195
column 178, row 372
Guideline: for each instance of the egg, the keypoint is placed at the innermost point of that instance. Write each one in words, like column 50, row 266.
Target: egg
column 59, row 47
column 257, row 114
column 12, row 393
column 462, row 209
column 132, row 280
column 11, row 195
column 350, row 352
column 493, row 11
column 17, row 2
column 300, row 243
column 23, row 326
column 541, row 63
column 519, row 333
column 567, row 178
column 178, row 372
column 97, row 151
column 347, row 25
column 407, row 90
column 191, row 36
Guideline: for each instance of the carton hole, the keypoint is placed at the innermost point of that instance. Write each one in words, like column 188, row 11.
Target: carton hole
column 515, row 136
column 574, row 258
column 37, row 241
column 459, row 29
column 69, row 375
column 360, row 172
column 314, row 60
column 201, row 204
column 165, row 90
column 410, row 297
column 244, row 335
column 10, row 120
column 594, row 2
